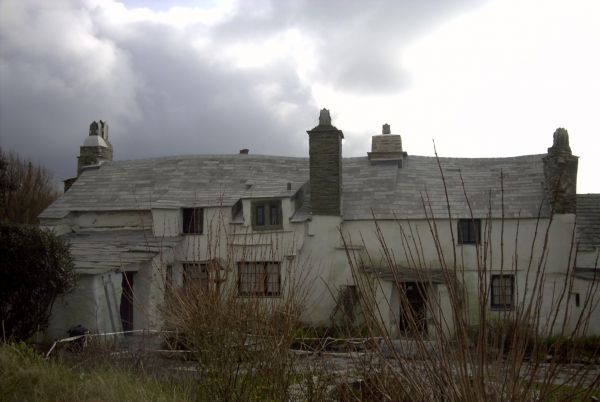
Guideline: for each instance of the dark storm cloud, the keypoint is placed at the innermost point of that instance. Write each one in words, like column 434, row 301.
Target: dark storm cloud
column 69, row 66
column 66, row 63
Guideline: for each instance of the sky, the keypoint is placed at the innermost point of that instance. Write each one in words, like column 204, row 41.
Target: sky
column 481, row 78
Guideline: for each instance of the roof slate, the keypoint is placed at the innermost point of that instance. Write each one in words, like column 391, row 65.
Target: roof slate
column 588, row 221
column 383, row 189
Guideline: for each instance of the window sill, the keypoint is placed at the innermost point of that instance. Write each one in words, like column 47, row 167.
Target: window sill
column 266, row 228
column 510, row 308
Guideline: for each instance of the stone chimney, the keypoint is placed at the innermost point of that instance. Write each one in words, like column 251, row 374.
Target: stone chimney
column 560, row 171
column 96, row 148
column 386, row 148
column 325, row 152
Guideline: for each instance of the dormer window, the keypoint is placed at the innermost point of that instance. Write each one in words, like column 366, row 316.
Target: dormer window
column 193, row 220
column 266, row 214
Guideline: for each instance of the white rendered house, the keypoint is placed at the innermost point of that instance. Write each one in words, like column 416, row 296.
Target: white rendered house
column 254, row 222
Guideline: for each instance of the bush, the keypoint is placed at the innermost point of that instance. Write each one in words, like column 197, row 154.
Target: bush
column 25, row 189
column 36, row 268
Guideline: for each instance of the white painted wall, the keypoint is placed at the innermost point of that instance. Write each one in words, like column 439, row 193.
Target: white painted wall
column 313, row 254
column 519, row 247
column 94, row 303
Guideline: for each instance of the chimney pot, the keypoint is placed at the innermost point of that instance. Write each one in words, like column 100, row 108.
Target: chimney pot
column 386, row 129
column 324, row 118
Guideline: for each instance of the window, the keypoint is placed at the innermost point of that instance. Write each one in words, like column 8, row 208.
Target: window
column 502, row 291
column 469, row 231
column 259, row 278
column 577, row 299
column 193, row 220
column 203, row 275
column 266, row 214
column 195, row 274
column 168, row 278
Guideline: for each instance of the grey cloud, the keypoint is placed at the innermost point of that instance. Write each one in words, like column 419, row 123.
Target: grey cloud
column 159, row 95
column 358, row 43
column 63, row 65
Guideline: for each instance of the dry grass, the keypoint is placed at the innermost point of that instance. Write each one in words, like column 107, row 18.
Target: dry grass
column 26, row 376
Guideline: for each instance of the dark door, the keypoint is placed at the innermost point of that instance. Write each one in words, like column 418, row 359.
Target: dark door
column 127, row 301
column 413, row 311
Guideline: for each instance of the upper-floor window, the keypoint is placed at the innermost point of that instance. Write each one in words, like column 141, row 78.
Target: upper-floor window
column 469, row 231
column 266, row 214
column 502, row 291
column 193, row 220
column 259, row 278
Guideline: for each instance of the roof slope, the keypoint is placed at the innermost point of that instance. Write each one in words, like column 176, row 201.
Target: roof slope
column 588, row 221
column 391, row 192
column 385, row 189
column 180, row 181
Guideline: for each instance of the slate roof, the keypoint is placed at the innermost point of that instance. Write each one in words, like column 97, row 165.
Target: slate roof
column 392, row 192
column 103, row 251
column 588, row 221
column 180, row 181
column 188, row 181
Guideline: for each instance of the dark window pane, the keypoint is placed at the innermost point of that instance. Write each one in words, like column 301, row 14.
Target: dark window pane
column 469, row 231
column 260, row 215
column 274, row 214
column 502, row 288
column 195, row 274
column 259, row 279
column 193, row 220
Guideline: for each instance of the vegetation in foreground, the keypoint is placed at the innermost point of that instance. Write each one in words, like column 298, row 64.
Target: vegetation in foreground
column 27, row 376
column 36, row 268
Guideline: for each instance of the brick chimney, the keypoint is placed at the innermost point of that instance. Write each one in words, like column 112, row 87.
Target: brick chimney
column 325, row 152
column 560, row 171
column 386, row 148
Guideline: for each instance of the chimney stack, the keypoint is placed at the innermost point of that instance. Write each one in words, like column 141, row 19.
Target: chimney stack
column 386, row 148
column 96, row 147
column 560, row 171
column 325, row 152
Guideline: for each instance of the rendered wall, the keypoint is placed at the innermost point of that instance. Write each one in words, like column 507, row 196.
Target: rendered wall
column 94, row 303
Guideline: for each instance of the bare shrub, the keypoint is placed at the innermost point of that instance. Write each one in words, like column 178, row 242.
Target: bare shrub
column 240, row 344
column 239, row 340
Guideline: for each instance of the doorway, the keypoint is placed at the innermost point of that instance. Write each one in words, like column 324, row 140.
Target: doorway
column 413, row 310
column 127, row 301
